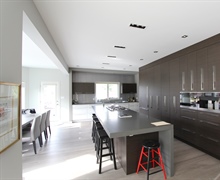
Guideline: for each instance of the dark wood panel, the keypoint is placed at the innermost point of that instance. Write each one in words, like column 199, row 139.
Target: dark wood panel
column 129, row 88
column 128, row 157
column 83, row 88
column 202, row 73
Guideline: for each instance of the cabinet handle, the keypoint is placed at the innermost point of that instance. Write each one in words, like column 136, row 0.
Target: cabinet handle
column 186, row 117
column 165, row 101
column 187, row 130
column 183, row 81
column 212, row 139
column 174, row 102
column 202, row 78
column 214, row 77
column 210, row 123
column 191, row 79
column 157, row 99
column 151, row 103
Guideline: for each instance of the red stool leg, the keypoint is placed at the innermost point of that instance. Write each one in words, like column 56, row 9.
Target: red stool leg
column 140, row 159
column 161, row 164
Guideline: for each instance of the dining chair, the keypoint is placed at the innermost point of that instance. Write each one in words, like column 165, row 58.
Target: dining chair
column 43, row 127
column 48, row 122
column 34, row 133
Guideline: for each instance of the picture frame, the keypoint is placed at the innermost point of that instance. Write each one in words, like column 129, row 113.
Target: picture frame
column 10, row 95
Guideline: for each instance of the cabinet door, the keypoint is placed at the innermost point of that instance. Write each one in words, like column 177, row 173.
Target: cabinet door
column 164, row 100
column 209, row 132
column 143, row 91
column 174, row 95
column 202, row 73
column 155, row 91
column 188, row 123
column 214, row 67
column 192, row 71
column 184, row 85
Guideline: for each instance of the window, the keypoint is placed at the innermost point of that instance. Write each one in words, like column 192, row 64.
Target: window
column 107, row 90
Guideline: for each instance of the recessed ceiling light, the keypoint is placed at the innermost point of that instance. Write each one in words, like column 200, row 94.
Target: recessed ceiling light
column 184, row 36
column 137, row 26
column 155, row 51
column 111, row 56
column 120, row 47
column 105, row 63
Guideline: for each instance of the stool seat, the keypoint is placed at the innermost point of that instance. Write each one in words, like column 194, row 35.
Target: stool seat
column 152, row 144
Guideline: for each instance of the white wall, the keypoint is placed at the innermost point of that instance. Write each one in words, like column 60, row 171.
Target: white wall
column 11, row 18
column 33, row 78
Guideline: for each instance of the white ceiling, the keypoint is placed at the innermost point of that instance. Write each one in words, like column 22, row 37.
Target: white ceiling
column 87, row 31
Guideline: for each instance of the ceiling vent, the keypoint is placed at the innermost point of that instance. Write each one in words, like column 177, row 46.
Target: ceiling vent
column 120, row 47
column 111, row 56
column 137, row 26
column 105, row 63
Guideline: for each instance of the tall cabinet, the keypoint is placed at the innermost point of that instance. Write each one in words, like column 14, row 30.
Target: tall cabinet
column 214, row 67
column 174, row 95
column 165, row 91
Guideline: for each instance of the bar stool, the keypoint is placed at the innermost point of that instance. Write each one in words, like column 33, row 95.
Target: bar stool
column 151, row 150
column 94, row 121
column 103, row 139
column 97, row 127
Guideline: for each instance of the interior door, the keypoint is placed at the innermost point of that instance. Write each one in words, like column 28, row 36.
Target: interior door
column 50, row 99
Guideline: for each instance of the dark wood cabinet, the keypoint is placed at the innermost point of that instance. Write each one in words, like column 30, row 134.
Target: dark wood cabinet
column 127, row 88
column 214, row 67
column 188, row 75
column 184, row 80
column 192, row 72
column 143, row 91
column 165, row 91
column 174, row 95
column 202, row 72
column 154, row 91
column 209, row 132
column 83, row 88
column 188, row 121
column 194, row 69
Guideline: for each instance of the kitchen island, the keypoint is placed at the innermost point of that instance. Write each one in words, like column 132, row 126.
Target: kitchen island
column 129, row 129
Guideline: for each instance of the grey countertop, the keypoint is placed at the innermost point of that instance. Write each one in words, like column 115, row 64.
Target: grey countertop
column 96, row 103
column 119, row 127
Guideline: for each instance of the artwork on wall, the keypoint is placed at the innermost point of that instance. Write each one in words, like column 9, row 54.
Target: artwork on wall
column 9, row 114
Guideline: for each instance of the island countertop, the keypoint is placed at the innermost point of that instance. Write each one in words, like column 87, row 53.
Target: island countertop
column 134, row 124
column 130, row 131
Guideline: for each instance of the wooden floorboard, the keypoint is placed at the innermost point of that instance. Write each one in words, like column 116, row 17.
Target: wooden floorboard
column 69, row 154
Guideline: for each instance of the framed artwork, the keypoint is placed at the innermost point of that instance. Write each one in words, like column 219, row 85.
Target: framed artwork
column 9, row 114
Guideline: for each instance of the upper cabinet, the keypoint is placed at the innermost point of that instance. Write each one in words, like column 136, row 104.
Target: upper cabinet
column 83, row 88
column 214, row 67
column 202, row 72
column 184, row 81
column 188, row 72
column 127, row 88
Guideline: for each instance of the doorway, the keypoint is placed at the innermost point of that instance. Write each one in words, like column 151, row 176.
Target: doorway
column 50, row 99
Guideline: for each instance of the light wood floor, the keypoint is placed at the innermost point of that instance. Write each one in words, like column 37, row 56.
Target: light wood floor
column 69, row 154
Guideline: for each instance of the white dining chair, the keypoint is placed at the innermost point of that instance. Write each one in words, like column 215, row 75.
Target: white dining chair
column 48, row 122
column 43, row 127
column 34, row 133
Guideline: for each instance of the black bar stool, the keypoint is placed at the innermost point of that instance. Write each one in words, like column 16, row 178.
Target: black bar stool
column 95, row 120
column 97, row 127
column 151, row 150
column 103, row 139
